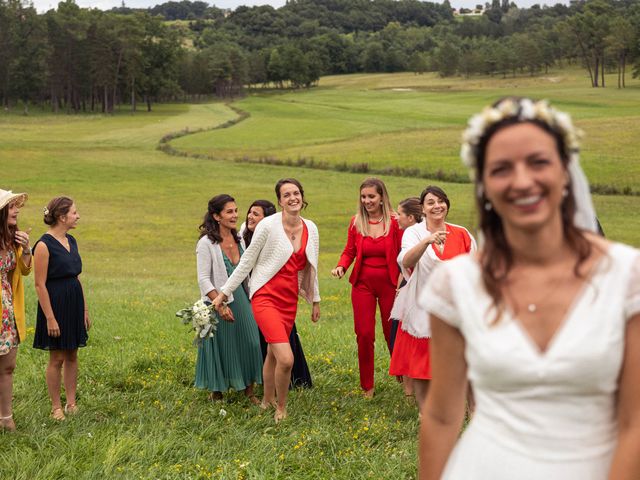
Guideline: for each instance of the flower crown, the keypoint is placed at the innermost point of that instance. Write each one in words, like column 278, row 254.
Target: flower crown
column 524, row 109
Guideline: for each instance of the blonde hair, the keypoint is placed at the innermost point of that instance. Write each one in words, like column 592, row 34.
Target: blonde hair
column 361, row 221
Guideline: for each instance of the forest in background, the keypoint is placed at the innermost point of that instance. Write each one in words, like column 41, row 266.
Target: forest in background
column 74, row 59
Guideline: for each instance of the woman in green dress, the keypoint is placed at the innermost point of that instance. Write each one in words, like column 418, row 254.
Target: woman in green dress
column 232, row 358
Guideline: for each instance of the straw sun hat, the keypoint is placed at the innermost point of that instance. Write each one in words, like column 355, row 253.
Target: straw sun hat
column 7, row 196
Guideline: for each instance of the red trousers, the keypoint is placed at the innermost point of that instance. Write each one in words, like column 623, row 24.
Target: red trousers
column 373, row 286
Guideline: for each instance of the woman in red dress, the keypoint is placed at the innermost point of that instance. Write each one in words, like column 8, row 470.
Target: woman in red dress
column 283, row 261
column 373, row 241
column 424, row 245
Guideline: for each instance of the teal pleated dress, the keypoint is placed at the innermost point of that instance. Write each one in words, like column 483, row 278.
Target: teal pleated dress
column 232, row 358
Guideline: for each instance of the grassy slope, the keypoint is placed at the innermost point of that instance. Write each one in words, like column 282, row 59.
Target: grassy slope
column 415, row 121
column 141, row 416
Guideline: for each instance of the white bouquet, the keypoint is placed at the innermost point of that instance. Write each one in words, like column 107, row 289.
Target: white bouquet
column 203, row 319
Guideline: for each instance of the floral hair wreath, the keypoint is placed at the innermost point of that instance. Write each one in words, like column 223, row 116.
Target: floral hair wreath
column 523, row 109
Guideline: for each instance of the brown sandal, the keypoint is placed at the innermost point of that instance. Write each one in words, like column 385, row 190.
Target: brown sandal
column 58, row 414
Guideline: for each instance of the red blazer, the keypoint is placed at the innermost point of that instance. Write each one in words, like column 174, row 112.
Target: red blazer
column 353, row 250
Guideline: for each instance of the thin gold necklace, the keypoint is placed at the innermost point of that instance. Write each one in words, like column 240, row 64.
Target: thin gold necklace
column 292, row 234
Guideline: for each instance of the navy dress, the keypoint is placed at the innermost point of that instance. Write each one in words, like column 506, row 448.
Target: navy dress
column 65, row 294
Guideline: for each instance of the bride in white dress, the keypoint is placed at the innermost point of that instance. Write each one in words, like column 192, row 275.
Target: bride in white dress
column 544, row 321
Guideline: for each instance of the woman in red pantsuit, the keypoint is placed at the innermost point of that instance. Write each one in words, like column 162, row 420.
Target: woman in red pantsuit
column 373, row 241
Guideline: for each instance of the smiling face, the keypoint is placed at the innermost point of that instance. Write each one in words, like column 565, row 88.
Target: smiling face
column 290, row 199
column 70, row 219
column 254, row 216
column 524, row 177
column 371, row 201
column 434, row 208
column 228, row 216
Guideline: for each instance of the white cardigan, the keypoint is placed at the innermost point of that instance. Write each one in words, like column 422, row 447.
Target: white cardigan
column 414, row 317
column 269, row 251
column 212, row 273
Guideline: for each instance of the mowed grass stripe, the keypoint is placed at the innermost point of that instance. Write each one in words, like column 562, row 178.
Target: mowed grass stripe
column 415, row 122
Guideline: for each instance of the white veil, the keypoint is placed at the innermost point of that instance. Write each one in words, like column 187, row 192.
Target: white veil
column 585, row 217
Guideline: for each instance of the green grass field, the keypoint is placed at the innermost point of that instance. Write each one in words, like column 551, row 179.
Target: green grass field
column 415, row 121
column 141, row 416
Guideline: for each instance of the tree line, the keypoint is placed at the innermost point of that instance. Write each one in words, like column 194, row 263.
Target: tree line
column 74, row 59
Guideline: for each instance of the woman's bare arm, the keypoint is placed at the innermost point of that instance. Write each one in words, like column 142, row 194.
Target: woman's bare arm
column 626, row 459
column 444, row 410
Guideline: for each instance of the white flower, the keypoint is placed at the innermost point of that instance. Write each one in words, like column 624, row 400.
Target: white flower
column 222, row 412
column 563, row 121
column 492, row 115
column 467, row 156
column 527, row 110
column 543, row 112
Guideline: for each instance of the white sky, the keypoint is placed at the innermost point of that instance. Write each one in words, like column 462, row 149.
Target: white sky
column 44, row 5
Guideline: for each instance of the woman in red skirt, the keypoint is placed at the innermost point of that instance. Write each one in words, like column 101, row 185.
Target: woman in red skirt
column 373, row 241
column 283, row 261
column 424, row 245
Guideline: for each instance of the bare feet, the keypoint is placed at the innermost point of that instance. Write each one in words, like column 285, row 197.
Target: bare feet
column 369, row 393
column 267, row 405
column 7, row 423
column 58, row 414
column 71, row 409
column 280, row 414
column 254, row 400
column 214, row 396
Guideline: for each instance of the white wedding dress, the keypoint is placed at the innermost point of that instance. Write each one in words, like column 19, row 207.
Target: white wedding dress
column 539, row 415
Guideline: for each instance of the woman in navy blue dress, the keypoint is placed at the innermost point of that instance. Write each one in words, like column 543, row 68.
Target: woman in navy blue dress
column 63, row 318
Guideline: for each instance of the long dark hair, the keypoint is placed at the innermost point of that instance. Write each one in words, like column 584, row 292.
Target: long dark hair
column 210, row 226
column 268, row 209
column 497, row 256
column 7, row 233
